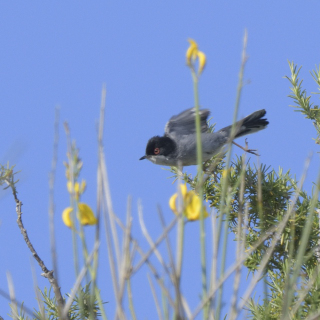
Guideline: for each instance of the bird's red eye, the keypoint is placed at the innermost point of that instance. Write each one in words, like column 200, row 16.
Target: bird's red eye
column 156, row 151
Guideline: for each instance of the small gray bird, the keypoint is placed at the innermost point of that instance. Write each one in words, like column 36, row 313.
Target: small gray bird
column 179, row 145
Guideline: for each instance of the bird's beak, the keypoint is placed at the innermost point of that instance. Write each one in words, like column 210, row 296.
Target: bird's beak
column 142, row 158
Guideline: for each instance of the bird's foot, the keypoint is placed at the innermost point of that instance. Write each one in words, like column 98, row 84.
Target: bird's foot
column 246, row 149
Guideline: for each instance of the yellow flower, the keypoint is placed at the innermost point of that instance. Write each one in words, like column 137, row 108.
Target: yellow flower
column 193, row 53
column 193, row 207
column 191, row 204
column 66, row 217
column 85, row 215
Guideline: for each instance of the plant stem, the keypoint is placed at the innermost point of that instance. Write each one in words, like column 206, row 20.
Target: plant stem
column 223, row 205
column 200, row 191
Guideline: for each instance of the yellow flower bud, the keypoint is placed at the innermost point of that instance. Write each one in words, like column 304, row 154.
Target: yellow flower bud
column 76, row 188
column 192, row 51
column 73, row 188
column 69, row 186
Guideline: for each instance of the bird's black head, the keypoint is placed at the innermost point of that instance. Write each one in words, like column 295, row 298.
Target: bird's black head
column 162, row 146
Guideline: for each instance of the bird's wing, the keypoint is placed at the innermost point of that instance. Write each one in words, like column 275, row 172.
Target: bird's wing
column 184, row 122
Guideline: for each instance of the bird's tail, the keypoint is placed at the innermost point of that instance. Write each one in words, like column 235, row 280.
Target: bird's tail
column 252, row 123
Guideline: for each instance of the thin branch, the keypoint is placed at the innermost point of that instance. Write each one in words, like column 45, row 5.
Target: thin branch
column 317, row 253
column 112, row 262
column 147, row 261
column 99, row 194
column 173, row 275
column 51, row 193
column 107, row 195
column 157, row 242
column 46, row 273
column 215, row 248
column 73, row 204
column 133, row 314
column 149, row 239
column 155, row 299
column 223, row 205
column 126, row 263
column 240, row 242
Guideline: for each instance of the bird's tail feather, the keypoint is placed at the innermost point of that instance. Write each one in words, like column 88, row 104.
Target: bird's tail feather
column 252, row 123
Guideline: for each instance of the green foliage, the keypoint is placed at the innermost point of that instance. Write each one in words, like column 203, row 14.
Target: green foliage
column 300, row 308
column 17, row 315
column 277, row 188
column 302, row 100
column 84, row 306
column 80, row 309
column 7, row 176
column 283, row 264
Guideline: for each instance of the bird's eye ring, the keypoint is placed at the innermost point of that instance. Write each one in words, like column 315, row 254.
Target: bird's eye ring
column 156, row 151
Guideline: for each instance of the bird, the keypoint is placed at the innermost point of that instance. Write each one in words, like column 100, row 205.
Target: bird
column 178, row 145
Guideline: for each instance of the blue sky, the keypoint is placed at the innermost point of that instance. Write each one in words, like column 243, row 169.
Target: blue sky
column 60, row 53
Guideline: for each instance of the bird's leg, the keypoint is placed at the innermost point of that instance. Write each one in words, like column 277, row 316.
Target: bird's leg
column 246, row 149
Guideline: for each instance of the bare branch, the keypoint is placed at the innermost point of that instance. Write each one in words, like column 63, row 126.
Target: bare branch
column 46, row 273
